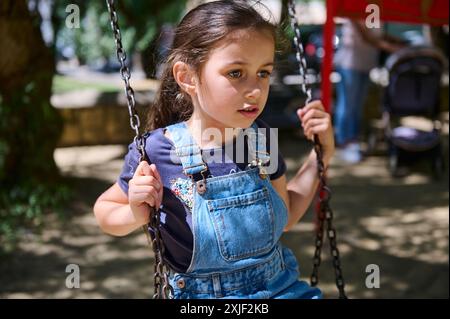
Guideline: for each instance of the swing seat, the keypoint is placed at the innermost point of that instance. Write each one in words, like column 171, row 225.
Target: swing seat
column 415, row 140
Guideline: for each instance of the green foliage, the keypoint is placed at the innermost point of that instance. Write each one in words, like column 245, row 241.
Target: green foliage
column 62, row 84
column 23, row 207
column 29, row 181
column 139, row 21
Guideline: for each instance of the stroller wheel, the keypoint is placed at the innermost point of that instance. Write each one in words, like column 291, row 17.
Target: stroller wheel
column 394, row 166
column 438, row 167
column 371, row 144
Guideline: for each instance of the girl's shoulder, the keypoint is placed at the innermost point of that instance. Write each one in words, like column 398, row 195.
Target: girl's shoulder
column 156, row 145
column 156, row 137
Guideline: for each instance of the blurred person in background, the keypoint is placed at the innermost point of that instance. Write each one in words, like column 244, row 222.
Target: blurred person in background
column 358, row 54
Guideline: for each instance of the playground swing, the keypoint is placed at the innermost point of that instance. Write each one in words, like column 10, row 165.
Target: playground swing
column 162, row 287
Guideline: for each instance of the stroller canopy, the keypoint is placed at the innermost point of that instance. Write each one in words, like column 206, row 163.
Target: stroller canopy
column 413, row 52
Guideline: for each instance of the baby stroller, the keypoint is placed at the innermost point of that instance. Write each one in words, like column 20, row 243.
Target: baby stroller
column 413, row 90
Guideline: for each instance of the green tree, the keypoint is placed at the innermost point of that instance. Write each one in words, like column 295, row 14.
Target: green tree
column 29, row 125
column 30, row 183
column 140, row 23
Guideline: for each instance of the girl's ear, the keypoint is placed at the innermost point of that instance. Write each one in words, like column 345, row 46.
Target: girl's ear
column 185, row 77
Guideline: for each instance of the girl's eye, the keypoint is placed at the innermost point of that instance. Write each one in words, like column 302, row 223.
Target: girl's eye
column 235, row 74
column 264, row 74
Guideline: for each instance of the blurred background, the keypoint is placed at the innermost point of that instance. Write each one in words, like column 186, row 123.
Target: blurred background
column 64, row 131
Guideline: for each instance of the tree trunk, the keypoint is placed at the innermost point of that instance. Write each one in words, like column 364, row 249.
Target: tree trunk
column 29, row 125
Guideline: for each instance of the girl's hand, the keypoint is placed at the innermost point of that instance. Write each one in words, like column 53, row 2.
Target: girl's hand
column 145, row 189
column 315, row 120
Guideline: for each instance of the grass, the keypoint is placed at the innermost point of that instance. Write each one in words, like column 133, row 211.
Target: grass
column 64, row 84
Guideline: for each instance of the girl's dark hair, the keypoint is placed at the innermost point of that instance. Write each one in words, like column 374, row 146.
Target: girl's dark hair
column 197, row 33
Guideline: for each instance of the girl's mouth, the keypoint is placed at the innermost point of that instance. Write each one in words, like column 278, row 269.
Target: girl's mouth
column 250, row 112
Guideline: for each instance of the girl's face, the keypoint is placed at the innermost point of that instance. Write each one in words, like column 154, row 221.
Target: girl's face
column 235, row 77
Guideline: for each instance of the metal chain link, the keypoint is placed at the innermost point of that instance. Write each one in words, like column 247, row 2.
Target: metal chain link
column 324, row 213
column 300, row 56
column 163, row 290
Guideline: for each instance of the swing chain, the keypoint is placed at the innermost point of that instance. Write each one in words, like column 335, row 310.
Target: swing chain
column 126, row 75
column 325, row 213
column 163, row 289
column 318, row 251
column 300, row 56
column 161, row 275
column 331, row 235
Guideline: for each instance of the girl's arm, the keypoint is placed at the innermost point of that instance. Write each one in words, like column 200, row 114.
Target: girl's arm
column 299, row 192
column 119, row 214
column 114, row 214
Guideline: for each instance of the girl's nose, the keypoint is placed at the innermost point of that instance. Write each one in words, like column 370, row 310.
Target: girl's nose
column 253, row 93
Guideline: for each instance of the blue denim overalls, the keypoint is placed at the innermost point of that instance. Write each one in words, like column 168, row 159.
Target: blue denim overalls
column 237, row 221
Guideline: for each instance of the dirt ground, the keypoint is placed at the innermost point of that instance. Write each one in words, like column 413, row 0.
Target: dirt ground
column 400, row 225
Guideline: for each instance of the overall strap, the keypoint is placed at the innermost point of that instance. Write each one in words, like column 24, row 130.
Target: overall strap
column 189, row 153
column 258, row 149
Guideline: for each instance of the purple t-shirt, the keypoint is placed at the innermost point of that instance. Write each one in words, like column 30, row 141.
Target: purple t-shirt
column 176, row 218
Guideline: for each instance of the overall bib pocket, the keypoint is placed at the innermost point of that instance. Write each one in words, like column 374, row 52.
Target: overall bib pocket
column 244, row 224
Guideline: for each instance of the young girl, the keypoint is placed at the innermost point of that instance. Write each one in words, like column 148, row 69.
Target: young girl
column 221, row 220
